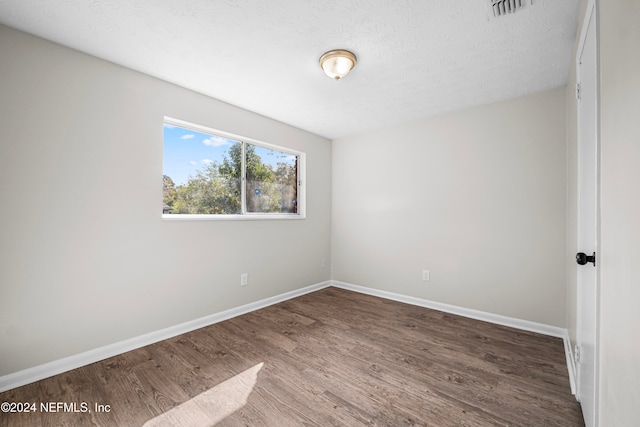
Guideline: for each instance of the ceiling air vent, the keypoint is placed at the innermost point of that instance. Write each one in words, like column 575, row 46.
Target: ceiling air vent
column 503, row 7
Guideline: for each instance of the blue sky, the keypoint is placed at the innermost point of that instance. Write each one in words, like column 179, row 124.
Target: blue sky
column 186, row 151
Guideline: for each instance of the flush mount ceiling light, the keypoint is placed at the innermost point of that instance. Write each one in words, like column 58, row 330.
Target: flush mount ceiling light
column 337, row 63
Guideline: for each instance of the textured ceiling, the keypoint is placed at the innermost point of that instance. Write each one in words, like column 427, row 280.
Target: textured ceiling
column 416, row 58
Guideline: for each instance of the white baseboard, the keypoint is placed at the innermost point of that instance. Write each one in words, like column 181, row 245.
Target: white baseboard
column 26, row 376
column 526, row 325
column 571, row 363
column 512, row 322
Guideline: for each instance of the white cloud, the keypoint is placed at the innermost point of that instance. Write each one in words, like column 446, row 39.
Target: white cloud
column 215, row 141
column 187, row 136
column 206, row 161
column 193, row 163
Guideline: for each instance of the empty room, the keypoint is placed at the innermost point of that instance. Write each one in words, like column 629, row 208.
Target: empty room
column 287, row 213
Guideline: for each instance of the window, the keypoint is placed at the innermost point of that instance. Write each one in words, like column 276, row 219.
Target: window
column 214, row 174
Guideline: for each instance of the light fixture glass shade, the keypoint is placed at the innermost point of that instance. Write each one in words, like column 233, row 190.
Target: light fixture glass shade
column 337, row 63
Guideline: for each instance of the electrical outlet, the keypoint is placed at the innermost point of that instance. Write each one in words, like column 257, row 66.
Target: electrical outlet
column 426, row 275
column 244, row 279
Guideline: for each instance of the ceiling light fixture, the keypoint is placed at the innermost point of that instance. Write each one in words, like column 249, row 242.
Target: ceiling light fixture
column 337, row 63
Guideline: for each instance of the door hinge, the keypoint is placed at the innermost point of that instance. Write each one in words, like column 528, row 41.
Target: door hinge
column 577, row 90
column 576, row 353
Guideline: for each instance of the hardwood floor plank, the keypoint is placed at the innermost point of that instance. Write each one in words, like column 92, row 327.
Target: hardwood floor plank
column 329, row 358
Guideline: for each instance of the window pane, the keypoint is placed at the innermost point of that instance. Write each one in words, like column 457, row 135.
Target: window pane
column 272, row 178
column 201, row 172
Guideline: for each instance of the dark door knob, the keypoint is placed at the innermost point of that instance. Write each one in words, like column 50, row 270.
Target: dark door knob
column 582, row 258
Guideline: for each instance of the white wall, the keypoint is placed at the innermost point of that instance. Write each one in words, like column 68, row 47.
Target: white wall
column 477, row 197
column 620, row 212
column 85, row 258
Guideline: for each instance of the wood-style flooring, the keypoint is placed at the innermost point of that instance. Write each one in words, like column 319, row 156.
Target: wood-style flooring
column 329, row 358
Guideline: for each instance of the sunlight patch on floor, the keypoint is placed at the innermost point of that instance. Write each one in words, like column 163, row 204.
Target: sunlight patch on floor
column 213, row 405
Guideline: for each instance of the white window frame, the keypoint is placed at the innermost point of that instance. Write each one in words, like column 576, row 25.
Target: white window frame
column 244, row 216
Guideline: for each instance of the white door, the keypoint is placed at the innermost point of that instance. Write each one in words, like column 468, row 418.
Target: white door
column 587, row 381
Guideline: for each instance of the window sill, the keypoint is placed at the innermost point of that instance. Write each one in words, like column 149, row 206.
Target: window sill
column 246, row 217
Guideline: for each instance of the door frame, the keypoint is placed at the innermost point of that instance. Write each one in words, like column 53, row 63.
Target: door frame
column 591, row 11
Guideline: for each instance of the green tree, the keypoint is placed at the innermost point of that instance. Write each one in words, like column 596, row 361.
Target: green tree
column 215, row 189
column 286, row 175
column 169, row 193
column 209, row 192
